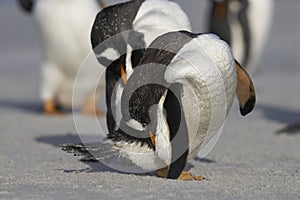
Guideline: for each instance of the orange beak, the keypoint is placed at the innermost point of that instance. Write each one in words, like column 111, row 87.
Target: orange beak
column 152, row 138
column 123, row 74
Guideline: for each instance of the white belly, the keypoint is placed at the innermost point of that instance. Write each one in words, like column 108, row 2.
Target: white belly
column 260, row 15
column 65, row 27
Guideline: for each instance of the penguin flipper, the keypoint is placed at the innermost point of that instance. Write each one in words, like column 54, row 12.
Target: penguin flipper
column 245, row 90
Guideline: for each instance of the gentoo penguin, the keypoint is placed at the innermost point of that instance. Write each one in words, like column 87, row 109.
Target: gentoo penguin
column 244, row 24
column 174, row 102
column 65, row 27
column 119, row 35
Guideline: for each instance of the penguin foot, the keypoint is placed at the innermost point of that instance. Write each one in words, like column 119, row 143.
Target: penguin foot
column 50, row 108
column 187, row 176
column 162, row 172
column 184, row 176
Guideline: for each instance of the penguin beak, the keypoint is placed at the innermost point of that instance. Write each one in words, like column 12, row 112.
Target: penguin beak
column 152, row 138
column 123, row 74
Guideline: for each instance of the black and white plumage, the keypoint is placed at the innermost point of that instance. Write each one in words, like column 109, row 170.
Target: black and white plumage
column 64, row 27
column 119, row 36
column 244, row 24
column 181, row 92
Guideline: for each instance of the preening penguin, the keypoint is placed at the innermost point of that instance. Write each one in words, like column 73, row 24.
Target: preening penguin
column 64, row 27
column 175, row 101
column 244, row 24
column 119, row 36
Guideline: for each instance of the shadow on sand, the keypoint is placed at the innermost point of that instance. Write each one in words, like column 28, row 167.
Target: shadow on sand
column 19, row 105
column 289, row 117
column 94, row 166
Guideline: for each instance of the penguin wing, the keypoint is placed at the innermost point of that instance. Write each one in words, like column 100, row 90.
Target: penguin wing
column 245, row 90
column 90, row 151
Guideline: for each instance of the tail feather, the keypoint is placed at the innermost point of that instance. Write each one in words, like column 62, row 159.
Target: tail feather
column 91, row 151
column 107, row 153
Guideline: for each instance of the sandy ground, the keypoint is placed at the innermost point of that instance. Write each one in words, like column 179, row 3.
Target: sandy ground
column 251, row 160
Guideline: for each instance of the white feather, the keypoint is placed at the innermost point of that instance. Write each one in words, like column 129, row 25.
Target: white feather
column 209, row 83
column 157, row 17
column 162, row 137
column 135, row 125
column 260, row 15
column 142, row 156
column 110, row 54
column 65, row 32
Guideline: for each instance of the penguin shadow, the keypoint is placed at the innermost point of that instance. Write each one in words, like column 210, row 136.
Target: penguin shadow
column 289, row 117
column 204, row 160
column 93, row 165
column 96, row 166
column 19, row 105
column 58, row 140
column 35, row 107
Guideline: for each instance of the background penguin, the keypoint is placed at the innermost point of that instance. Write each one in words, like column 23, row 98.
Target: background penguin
column 119, row 35
column 174, row 102
column 65, row 27
column 244, row 24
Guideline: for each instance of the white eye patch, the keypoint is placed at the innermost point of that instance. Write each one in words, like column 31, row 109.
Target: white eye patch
column 110, row 54
column 135, row 125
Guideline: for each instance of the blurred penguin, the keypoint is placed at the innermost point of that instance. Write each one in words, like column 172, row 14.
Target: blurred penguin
column 65, row 27
column 244, row 25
